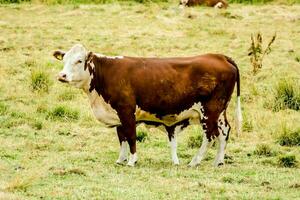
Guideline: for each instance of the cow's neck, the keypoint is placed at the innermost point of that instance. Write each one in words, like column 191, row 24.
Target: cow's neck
column 96, row 69
column 90, row 87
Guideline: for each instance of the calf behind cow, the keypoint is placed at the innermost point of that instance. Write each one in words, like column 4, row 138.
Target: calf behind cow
column 173, row 92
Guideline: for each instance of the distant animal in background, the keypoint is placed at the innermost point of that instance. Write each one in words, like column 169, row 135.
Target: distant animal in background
column 210, row 3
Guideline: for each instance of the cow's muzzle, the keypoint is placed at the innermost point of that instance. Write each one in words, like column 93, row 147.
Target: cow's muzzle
column 62, row 77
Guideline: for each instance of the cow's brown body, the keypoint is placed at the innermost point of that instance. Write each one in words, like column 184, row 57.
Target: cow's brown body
column 173, row 92
column 163, row 87
column 209, row 3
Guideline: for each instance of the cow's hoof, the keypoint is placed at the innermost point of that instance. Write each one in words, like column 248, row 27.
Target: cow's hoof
column 131, row 164
column 132, row 160
column 193, row 164
column 218, row 164
column 176, row 163
column 121, row 161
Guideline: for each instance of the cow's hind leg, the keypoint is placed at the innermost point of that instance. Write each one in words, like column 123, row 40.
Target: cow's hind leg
column 224, row 129
column 201, row 153
column 210, row 114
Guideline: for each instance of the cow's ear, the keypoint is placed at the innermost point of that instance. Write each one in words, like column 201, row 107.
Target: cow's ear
column 59, row 55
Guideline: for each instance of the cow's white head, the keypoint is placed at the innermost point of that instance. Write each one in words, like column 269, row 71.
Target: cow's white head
column 74, row 71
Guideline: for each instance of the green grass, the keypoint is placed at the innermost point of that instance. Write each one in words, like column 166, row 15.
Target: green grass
column 287, row 95
column 63, row 113
column 40, row 81
column 264, row 150
column 287, row 161
column 289, row 137
column 53, row 148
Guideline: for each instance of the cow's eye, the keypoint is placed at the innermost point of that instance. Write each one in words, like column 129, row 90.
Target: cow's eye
column 78, row 62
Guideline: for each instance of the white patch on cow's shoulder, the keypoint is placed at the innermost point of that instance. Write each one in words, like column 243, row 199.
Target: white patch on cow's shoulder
column 102, row 110
column 109, row 57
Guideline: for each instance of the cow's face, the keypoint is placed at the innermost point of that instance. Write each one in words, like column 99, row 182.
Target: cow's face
column 74, row 71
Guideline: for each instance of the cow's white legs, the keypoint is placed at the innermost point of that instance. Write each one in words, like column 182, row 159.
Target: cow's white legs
column 123, row 153
column 172, row 134
column 221, row 152
column 224, row 129
column 199, row 156
column 132, row 159
column 173, row 145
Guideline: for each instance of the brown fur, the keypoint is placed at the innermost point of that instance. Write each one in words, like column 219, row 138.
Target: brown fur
column 164, row 86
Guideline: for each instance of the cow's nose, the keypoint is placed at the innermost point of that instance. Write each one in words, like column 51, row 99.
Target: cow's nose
column 62, row 75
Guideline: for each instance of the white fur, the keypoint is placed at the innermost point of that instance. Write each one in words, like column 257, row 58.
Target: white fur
column 239, row 117
column 74, row 61
column 221, row 152
column 123, row 153
column 173, row 145
column 102, row 110
column 92, row 65
column 109, row 57
column 132, row 159
column 223, row 131
column 219, row 5
column 183, row 2
column 199, row 156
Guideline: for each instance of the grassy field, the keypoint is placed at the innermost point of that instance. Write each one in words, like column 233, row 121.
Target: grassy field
column 51, row 147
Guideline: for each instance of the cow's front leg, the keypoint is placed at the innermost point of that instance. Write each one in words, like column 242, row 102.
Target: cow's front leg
column 128, row 128
column 123, row 146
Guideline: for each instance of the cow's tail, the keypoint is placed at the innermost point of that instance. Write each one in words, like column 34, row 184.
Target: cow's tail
column 239, row 117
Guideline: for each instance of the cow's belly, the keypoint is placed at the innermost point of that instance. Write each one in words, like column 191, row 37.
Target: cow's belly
column 194, row 112
column 105, row 114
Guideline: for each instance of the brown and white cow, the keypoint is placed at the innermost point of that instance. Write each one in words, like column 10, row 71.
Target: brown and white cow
column 173, row 92
column 209, row 3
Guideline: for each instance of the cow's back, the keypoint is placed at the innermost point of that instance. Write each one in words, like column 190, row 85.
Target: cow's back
column 170, row 85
